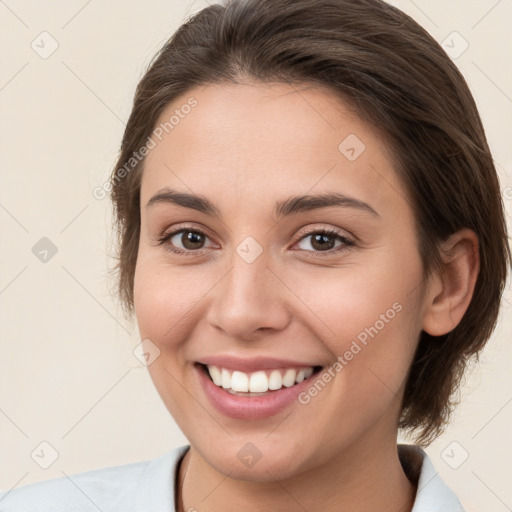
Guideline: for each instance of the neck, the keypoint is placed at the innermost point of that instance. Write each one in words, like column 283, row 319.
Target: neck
column 359, row 478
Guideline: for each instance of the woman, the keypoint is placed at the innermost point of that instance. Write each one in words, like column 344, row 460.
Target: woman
column 313, row 243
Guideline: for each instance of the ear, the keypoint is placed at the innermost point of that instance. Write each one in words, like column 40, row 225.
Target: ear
column 450, row 291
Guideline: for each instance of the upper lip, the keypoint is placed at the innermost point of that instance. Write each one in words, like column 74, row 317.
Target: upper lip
column 254, row 364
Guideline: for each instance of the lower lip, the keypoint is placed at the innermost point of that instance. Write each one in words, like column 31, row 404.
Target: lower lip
column 250, row 407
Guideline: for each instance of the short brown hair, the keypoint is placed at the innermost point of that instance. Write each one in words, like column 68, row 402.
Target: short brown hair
column 387, row 68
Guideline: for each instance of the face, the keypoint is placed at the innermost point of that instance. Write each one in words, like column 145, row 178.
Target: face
column 333, row 285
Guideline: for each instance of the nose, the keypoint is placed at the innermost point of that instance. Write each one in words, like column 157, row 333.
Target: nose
column 248, row 300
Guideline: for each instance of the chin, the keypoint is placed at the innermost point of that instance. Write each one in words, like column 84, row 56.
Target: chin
column 263, row 460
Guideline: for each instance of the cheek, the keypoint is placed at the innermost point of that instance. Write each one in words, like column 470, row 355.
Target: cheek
column 163, row 296
column 353, row 299
column 164, row 304
column 370, row 319
column 372, row 338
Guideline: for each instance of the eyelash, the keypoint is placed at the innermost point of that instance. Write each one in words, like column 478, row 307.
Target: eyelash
column 347, row 243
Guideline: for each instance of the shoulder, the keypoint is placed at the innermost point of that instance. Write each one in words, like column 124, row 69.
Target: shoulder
column 105, row 489
column 75, row 492
column 432, row 494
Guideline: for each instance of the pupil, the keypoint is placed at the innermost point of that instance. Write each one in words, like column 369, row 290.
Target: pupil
column 191, row 239
column 323, row 241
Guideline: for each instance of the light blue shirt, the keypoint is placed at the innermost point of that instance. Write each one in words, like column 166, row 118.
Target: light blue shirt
column 149, row 486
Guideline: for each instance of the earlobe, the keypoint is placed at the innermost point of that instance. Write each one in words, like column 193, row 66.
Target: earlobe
column 449, row 293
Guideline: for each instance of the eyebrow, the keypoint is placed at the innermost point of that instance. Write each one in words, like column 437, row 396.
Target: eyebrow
column 287, row 207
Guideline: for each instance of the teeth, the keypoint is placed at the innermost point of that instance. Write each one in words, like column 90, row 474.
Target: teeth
column 289, row 378
column 239, row 382
column 216, row 375
column 225, row 379
column 257, row 382
column 275, row 380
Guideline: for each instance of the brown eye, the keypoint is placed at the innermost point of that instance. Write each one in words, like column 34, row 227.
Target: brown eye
column 319, row 242
column 324, row 241
column 191, row 239
column 184, row 241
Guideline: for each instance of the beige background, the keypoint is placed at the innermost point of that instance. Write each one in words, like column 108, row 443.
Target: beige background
column 68, row 376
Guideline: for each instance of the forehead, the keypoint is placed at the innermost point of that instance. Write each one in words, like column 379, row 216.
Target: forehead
column 257, row 142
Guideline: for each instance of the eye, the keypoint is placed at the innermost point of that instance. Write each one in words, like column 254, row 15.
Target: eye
column 324, row 241
column 191, row 240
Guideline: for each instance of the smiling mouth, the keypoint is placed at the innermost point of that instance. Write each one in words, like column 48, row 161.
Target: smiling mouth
column 257, row 383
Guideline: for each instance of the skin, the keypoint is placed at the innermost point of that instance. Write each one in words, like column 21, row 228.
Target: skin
column 245, row 147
